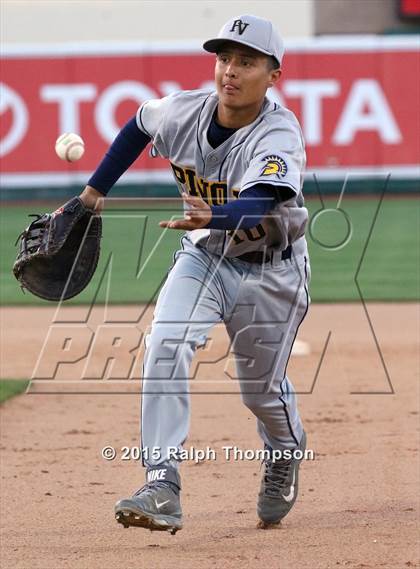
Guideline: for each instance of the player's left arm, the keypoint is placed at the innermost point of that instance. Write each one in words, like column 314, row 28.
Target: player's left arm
column 243, row 213
column 277, row 160
column 197, row 216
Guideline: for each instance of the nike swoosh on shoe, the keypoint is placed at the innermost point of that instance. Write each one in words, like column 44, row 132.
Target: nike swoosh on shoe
column 159, row 505
column 289, row 497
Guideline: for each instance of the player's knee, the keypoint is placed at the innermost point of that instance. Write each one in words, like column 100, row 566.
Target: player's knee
column 255, row 403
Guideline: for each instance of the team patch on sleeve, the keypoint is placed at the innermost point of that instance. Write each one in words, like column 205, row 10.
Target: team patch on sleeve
column 274, row 165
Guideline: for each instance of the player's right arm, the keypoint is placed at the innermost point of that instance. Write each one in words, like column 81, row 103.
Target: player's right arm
column 125, row 149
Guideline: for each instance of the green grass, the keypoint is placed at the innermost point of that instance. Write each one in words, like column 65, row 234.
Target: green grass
column 389, row 270
column 11, row 387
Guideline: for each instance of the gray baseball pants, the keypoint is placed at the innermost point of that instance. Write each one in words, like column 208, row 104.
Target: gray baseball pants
column 262, row 307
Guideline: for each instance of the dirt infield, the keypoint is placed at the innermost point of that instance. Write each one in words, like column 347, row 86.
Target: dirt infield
column 358, row 503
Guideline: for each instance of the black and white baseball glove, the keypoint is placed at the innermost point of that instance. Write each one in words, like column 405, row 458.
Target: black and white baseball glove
column 59, row 251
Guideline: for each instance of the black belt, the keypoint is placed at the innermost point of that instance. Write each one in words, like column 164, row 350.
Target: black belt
column 260, row 257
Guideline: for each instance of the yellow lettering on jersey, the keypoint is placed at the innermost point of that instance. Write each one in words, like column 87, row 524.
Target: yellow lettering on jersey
column 254, row 234
column 214, row 193
column 204, row 190
column 218, row 191
column 191, row 182
column 179, row 173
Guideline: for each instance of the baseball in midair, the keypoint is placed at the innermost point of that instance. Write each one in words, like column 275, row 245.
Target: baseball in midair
column 69, row 146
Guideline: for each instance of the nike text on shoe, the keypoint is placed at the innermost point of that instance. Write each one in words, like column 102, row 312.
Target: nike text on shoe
column 279, row 487
column 156, row 506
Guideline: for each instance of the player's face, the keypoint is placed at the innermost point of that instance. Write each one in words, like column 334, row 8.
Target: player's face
column 243, row 76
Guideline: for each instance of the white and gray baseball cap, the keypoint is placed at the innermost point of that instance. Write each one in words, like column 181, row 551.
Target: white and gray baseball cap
column 258, row 33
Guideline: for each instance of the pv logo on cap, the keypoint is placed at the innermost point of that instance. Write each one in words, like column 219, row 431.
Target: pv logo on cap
column 240, row 25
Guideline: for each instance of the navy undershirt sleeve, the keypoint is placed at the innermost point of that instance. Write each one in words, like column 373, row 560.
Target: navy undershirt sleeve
column 125, row 149
column 245, row 212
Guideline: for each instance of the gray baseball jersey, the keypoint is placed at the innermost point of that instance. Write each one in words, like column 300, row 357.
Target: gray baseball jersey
column 270, row 150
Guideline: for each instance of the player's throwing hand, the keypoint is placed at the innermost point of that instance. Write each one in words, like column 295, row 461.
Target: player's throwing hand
column 197, row 216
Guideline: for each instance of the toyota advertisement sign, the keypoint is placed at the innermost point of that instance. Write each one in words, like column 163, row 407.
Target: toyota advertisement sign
column 357, row 100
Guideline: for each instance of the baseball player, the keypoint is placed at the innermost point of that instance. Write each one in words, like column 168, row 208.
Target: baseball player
column 238, row 160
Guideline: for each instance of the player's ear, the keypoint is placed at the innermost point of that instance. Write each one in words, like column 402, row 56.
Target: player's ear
column 274, row 76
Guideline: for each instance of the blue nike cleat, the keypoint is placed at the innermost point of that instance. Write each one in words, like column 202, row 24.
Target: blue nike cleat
column 279, row 487
column 155, row 506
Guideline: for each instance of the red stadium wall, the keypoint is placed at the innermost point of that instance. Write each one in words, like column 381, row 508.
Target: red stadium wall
column 357, row 99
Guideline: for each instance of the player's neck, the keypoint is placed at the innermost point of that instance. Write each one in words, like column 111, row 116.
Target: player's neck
column 237, row 118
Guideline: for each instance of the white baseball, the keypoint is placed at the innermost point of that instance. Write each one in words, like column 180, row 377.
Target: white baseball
column 69, row 146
